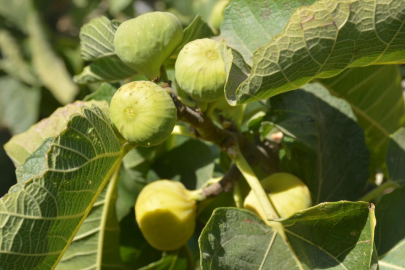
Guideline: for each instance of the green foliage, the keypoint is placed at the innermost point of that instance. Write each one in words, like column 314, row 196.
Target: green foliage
column 325, row 38
column 396, row 156
column 378, row 105
column 324, row 146
column 54, row 195
column 341, row 131
column 389, row 236
column 328, row 236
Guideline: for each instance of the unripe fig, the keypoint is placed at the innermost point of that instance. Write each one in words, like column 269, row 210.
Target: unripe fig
column 217, row 14
column 287, row 193
column 143, row 113
column 166, row 214
column 145, row 42
column 200, row 70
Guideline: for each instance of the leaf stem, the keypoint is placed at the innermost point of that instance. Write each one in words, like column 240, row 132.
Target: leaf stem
column 254, row 184
column 378, row 191
column 237, row 195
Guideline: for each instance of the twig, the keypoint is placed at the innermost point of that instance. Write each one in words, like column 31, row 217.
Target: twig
column 226, row 184
column 206, row 129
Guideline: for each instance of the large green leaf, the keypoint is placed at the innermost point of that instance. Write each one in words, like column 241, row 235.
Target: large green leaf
column 375, row 95
column 50, row 68
column 390, row 233
column 324, row 146
column 97, row 38
column 19, row 105
column 322, row 40
column 97, row 44
column 96, row 244
column 250, row 24
column 107, row 69
column 396, row 156
column 328, row 236
column 22, row 145
column 42, row 213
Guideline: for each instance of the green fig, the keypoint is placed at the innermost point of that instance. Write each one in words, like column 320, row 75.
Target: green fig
column 143, row 113
column 166, row 214
column 200, row 70
column 145, row 42
column 217, row 14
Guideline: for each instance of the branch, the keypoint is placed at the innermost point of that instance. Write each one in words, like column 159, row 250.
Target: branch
column 206, row 129
column 226, row 184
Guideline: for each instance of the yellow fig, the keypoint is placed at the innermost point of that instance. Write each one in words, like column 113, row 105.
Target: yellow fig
column 145, row 42
column 200, row 70
column 287, row 193
column 143, row 113
column 166, row 214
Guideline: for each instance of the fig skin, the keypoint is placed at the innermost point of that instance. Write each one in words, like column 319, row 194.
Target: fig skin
column 287, row 193
column 200, row 70
column 217, row 14
column 145, row 42
column 165, row 214
column 143, row 113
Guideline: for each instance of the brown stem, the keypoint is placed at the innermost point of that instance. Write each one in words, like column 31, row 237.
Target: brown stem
column 226, row 184
column 206, row 129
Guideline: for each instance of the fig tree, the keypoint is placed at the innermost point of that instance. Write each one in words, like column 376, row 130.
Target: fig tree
column 166, row 214
column 287, row 193
column 200, row 70
column 143, row 113
column 145, row 42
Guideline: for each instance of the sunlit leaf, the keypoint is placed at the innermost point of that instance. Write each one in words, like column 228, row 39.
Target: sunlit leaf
column 42, row 213
column 24, row 144
column 322, row 40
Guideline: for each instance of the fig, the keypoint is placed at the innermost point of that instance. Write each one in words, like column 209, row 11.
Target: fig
column 143, row 113
column 200, row 70
column 145, row 42
column 165, row 214
column 217, row 14
column 287, row 193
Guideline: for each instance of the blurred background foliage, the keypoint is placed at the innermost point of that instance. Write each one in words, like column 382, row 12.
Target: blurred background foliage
column 40, row 55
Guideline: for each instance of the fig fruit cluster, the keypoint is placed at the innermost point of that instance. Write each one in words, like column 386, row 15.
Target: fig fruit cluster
column 166, row 214
column 143, row 112
column 287, row 193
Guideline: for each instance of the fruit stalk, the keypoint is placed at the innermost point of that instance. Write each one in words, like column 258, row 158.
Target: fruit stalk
column 254, row 184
